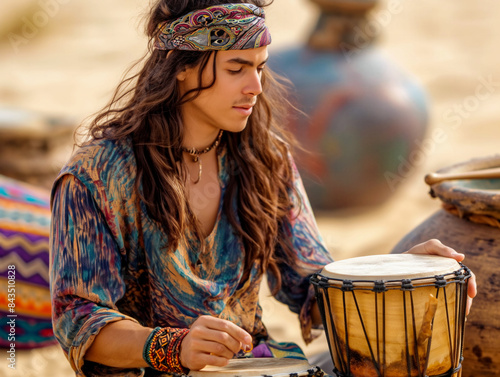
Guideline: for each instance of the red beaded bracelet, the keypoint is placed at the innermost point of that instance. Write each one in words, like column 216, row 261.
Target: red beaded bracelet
column 162, row 349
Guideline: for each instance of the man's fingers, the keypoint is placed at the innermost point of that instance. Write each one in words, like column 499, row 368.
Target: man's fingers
column 210, row 359
column 436, row 247
column 471, row 291
column 472, row 286
column 218, row 337
column 199, row 360
column 469, row 304
column 215, row 349
column 221, row 325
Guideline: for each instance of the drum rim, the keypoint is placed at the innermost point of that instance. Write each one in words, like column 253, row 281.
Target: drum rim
column 301, row 364
column 451, row 192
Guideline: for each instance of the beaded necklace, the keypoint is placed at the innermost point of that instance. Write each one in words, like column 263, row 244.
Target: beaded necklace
column 195, row 154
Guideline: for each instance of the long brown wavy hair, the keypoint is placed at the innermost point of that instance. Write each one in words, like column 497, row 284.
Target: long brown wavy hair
column 146, row 108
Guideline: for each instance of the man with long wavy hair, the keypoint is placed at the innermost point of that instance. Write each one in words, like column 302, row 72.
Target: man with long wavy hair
column 185, row 195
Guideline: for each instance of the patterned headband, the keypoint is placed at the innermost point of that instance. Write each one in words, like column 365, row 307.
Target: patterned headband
column 219, row 27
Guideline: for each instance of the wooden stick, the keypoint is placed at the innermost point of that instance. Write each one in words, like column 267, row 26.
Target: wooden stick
column 434, row 178
column 426, row 331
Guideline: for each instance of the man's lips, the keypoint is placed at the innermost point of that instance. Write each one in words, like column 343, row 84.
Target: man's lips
column 244, row 109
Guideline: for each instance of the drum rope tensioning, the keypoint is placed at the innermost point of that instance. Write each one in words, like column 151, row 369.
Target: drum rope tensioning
column 387, row 321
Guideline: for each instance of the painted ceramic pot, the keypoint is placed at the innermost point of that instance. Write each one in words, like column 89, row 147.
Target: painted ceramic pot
column 348, row 6
column 470, row 223
column 363, row 116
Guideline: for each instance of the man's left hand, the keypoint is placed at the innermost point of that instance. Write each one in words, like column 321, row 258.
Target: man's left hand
column 435, row 247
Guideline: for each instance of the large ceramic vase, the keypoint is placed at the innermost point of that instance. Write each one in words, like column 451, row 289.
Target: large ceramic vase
column 362, row 117
column 470, row 223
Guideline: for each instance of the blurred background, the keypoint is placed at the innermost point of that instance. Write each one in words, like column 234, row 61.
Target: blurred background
column 63, row 59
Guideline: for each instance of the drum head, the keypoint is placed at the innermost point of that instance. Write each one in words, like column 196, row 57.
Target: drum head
column 256, row 367
column 390, row 267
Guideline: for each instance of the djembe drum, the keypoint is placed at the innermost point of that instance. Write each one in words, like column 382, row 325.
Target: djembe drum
column 394, row 315
column 255, row 367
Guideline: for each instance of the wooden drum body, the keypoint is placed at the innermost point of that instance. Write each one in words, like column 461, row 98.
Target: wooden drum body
column 394, row 315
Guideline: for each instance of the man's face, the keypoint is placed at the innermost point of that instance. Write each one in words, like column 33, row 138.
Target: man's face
column 228, row 103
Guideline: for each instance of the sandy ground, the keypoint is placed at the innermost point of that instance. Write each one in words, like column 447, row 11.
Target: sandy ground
column 70, row 65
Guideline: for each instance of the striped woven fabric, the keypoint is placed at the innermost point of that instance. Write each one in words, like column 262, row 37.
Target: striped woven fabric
column 24, row 255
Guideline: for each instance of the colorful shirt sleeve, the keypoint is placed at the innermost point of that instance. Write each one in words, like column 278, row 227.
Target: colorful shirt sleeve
column 85, row 266
column 312, row 255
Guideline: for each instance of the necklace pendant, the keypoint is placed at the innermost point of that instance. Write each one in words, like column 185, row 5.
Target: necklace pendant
column 195, row 154
column 199, row 172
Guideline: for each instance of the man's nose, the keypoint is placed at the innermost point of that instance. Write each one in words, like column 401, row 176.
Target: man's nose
column 254, row 85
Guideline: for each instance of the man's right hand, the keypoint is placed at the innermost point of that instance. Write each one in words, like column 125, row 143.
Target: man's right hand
column 212, row 341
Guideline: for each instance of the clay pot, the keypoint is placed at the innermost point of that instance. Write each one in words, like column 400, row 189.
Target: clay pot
column 469, row 222
column 362, row 117
column 33, row 146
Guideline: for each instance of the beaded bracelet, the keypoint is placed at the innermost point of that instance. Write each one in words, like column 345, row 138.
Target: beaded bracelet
column 162, row 349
